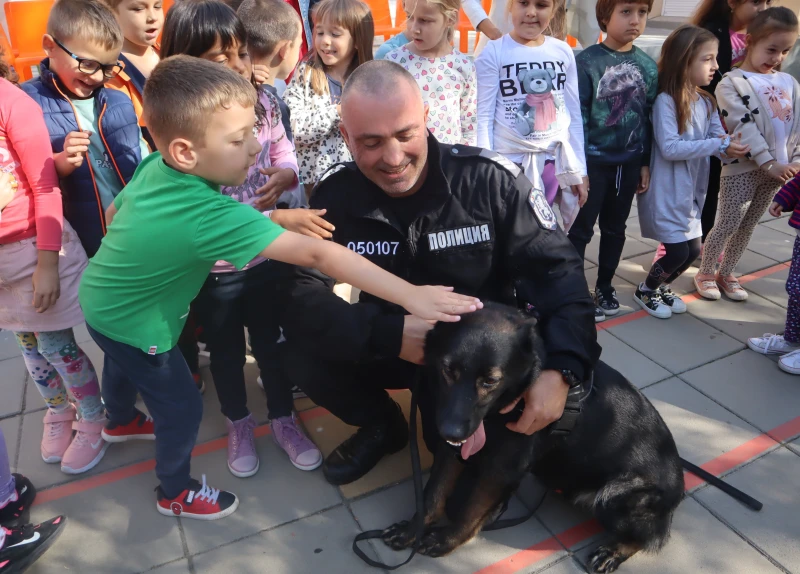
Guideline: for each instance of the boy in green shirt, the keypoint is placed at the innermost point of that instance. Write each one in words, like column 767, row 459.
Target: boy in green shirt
column 170, row 225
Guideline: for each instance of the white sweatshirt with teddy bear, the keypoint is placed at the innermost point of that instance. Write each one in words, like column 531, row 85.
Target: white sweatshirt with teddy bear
column 547, row 109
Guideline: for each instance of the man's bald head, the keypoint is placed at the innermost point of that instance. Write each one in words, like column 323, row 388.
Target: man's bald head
column 377, row 80
column 383, row 123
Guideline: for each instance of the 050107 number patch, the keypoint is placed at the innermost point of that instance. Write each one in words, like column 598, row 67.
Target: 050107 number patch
column 374, row 247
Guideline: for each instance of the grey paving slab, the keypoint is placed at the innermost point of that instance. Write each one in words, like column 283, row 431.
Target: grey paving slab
column 8, row 345
column 770, row 243
column 699, row 543
column 752, row 386
column 775, row 529
column 176, row 567
column 702, row 429
column 112, row 528
column 318, row 543
column 81, row 333
column 781, row 225
column 10, row 429
column 13, row 375
column 633, row 230
column 278, row 493
column 772, row 287
column 740, row 319
column 560, row 517
column 637, row 368
column 384, row 508
column 795, row 446
column 45, row 475
column 566, row 566
column 677, row 344
column 633, row 247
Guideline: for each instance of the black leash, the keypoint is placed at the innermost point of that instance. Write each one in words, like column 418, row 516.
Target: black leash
column 745, row 499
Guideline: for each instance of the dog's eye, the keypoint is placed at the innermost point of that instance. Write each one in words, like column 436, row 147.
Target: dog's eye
column 489, row 383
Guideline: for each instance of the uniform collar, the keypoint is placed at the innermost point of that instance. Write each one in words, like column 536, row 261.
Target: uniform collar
column 370, row 200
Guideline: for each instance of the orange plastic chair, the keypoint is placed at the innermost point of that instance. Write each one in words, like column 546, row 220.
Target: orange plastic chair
column 27, row 23
column 165, row 6
column 464, row 26
column 382, row 17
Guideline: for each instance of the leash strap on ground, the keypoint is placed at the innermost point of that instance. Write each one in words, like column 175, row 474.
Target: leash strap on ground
column 416, row 469
column 745, row 499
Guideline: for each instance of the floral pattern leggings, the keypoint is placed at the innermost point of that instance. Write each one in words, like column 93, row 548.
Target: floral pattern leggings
column 62, row 370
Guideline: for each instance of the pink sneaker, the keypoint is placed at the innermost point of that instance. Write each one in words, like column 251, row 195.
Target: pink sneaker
column 242, row 456
column 303, row 453
column 57, row 434
column 87, row 448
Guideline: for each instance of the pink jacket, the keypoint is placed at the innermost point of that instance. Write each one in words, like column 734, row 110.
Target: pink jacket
column 36, row 209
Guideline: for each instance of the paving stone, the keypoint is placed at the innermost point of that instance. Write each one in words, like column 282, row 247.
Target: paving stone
column 637, row 368
column 8, row 345
column 113, row 528
column 772, row 287
column 775, row 529
column 702, row 429
column 781, row 225
column 13, row 375
column 278, row 493
column 318, row 543
column 176, row 567
column 44, row 475
column 633, row 247
column 566, row 566
column 677, row 344
column 633, row 230
column 752, row 386
column 699, row 543
column 384, row 508
column 740, row 319
column 770, row 243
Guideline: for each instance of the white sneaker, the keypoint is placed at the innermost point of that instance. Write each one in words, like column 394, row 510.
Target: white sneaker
column 790, row 363
column 769, row 344
column 651, row 302
column 671, row 300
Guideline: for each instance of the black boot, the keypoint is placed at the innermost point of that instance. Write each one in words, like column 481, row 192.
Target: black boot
column 356, row 456
column 25, row 544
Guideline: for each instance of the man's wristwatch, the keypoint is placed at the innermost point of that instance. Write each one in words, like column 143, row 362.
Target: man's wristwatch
column 570, row 378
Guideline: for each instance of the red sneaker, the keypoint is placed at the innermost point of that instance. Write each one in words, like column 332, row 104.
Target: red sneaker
column 140, row 428
column 198, row 501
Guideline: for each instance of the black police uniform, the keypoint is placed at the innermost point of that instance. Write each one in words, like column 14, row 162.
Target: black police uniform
column 473, row 225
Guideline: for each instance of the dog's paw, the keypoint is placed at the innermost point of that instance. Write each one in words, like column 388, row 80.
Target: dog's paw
column 399, row 536
column 605, row 560
column 436, row 543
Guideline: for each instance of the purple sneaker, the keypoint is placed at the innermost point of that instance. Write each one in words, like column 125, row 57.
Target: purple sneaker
column 242, row 457
column 303, row 453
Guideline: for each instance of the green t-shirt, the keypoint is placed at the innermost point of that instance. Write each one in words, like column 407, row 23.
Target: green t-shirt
column 108, row 182
column 169, row 231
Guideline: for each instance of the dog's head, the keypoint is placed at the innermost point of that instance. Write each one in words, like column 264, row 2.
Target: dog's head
column 480, row 364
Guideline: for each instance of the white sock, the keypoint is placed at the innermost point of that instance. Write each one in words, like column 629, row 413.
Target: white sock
column 644, row 288
column 13, row 498
column 2, row 537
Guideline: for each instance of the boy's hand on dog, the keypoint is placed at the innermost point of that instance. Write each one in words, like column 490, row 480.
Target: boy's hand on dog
column 439, row 303
column 304, row 221
column 544, row 403
column 412, row 349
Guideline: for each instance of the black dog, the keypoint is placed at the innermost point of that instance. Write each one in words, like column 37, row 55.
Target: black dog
column 620, row 461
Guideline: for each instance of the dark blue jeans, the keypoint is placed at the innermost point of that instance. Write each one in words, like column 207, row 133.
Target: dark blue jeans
column 171, row 396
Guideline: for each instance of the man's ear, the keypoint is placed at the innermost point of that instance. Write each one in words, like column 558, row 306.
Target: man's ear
column 48, row 45
column 182, row 154
column 427, row 112
column 345, row 135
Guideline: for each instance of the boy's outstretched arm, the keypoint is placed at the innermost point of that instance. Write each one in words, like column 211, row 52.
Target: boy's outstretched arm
column 432, row 303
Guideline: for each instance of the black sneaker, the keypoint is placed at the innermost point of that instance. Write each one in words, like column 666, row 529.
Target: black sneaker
column 13, row 513
column 599, row 316
column 671, row 300
column 356, row 456
column 607, row 300
column 652, row 302
column 23, row 545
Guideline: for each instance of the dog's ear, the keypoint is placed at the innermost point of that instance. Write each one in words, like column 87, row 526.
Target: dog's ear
column 530, row 336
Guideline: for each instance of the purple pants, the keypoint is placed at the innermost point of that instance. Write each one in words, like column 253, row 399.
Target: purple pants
column 550, row 182
column 792, row 332
column 6, row 480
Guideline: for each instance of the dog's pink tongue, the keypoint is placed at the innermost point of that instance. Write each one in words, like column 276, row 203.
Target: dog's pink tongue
column 474, row 443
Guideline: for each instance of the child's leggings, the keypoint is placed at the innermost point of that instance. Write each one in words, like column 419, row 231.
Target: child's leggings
column 743, row 199
column 57, row 364
column 792, row 332
column 7, row 486
column 677, row 259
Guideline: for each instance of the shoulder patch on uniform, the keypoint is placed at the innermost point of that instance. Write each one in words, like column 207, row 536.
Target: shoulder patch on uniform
column 543, row 212
column 502, row 161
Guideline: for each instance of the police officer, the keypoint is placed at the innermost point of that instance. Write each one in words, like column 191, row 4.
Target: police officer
column 431, row 214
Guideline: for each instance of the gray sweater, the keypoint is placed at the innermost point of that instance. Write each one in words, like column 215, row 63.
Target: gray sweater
column 670, row 210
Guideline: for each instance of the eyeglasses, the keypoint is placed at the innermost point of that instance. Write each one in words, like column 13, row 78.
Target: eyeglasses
column 90, row 67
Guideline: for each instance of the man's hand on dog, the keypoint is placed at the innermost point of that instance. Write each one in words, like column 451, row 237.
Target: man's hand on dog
column 544, row 403
column 412, row 349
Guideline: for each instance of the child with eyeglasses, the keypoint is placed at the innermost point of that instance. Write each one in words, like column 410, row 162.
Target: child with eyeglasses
column 94, row 131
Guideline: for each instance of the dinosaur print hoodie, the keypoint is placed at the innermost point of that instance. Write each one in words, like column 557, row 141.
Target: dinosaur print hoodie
column 617, row 91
